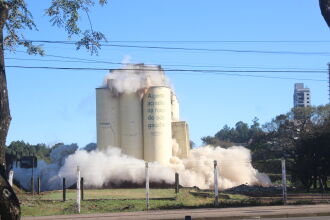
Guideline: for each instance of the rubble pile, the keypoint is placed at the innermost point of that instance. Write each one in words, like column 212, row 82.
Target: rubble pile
column 254, row 190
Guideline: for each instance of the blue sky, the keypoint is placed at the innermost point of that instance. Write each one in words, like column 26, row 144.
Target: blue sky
column 50, row 106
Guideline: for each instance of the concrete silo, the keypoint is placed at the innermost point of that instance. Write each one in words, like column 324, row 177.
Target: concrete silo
column 175, row 108
column 131, row 135
column 157, row 125
column 107, row 123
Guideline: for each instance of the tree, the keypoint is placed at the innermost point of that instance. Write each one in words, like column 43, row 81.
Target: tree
column 325, row 10
column 17, row 149
column 300, row 136
column 312, row 160
column 14, row 18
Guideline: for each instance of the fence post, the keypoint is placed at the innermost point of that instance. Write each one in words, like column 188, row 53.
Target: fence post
column 78, row 189
column 216, row 189
column 82, row 188
column 32, row 185
column 64, row 190
column 177, row 183
column 11, row 177
column 32, row 178
column 147, row 184
column 39, row 185
column 284, row 191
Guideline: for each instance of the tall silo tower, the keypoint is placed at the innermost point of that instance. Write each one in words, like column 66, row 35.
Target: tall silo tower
column 157, row 124
column 131, row 133
column 107, row 119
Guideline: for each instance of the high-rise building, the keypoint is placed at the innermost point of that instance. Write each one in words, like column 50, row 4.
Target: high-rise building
column 301, row 96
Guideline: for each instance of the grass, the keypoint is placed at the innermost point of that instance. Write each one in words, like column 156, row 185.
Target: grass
column 125, row 200
column 119, row 200
column 109, row 194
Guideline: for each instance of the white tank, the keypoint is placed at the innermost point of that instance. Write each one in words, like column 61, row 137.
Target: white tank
column 107, row 115
column 131, row 136
column 157, row 125
column 175, row 108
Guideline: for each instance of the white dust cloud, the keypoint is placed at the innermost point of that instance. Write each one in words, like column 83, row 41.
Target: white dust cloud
column 135, row 77
column 234, row 168
column 100, row 168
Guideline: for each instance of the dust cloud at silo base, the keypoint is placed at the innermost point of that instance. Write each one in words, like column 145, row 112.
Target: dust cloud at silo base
column 99, row 168
column 234, row 164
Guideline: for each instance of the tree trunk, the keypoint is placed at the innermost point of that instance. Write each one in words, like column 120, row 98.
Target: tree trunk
column 5, row 117
column 9, row 204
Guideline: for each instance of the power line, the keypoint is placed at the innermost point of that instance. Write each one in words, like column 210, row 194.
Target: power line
column 216, row 72
column 221, row 50
column 193, row 41
column 170, row 70
column 88, row 61
column 193, row 49
column 61, row 61
column 73, row 58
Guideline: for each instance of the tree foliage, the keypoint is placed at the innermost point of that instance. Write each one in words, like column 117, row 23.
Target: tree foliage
column 17, row 149
column 312, row 160
column 301, row 136
column 241, row 134
column 64, row 14
column 325, row 10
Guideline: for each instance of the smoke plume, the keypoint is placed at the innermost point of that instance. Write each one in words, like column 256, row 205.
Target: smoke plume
column 134, row 77
column 100, row 168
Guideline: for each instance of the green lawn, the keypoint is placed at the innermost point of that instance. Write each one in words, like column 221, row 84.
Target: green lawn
column 109, row 194
column 119, row 200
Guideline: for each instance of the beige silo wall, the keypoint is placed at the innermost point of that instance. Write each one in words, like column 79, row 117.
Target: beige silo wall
column 131, row 134
column 107, row 114
column 180, row 132
column 157, row 125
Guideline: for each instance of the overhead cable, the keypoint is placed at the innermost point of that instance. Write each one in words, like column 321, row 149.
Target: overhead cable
column 215, row 72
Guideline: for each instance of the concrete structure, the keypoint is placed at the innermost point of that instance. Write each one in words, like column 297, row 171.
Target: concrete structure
column 107, row 119
column 135, row 111
column 180, row 134
column 131, row 136
column 301, row 96
column 157, row 125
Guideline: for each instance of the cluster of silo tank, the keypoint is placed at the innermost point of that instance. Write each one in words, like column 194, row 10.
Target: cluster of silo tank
column 142, row 123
